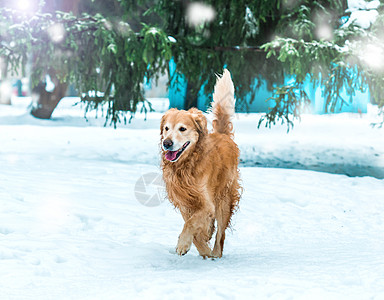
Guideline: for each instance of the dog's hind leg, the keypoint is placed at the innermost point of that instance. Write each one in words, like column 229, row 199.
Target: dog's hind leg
column 225, row 207
column 223, row 217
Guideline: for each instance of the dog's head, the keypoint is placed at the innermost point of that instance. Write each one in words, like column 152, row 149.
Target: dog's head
column 181, row 131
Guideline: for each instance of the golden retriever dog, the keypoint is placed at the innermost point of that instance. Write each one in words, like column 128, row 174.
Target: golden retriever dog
column 200, row 169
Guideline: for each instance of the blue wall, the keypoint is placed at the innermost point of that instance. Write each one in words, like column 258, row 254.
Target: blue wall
column 177, row 92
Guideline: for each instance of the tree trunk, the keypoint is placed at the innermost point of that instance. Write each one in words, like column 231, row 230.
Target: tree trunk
column 72, row 6
column 46, row 102
column 191, row 95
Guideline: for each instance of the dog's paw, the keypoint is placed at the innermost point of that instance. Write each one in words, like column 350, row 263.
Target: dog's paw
column 216, row 253
column 183, row 245
column 182, row 249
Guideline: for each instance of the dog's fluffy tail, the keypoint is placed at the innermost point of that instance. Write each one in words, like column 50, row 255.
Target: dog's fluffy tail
column 223, row 104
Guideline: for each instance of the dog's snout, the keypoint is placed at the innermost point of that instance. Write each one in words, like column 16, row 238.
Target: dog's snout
column 167, row 144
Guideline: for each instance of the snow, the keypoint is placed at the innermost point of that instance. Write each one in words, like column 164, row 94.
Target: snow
column 362, row 18
column 354, row 5
column 71, row 227
column 363, row 13
column 372, row 55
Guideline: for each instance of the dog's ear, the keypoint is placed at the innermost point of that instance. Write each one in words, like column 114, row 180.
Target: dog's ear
column 200, row 120
column 162, row 123
column 164, row 119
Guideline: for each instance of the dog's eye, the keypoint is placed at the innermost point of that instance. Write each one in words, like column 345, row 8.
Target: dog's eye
column 166, row 128
column 182, row 129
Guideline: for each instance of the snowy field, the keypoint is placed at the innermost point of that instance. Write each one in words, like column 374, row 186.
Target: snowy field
column 72, row 228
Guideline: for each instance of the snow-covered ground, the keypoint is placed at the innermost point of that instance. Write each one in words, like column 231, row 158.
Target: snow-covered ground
column 72, row 228
column 343, row 143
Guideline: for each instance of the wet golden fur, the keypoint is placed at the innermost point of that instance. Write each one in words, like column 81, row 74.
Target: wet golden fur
column 204, row 182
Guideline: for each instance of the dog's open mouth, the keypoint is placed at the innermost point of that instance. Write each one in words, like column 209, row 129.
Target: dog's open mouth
column 174, row 155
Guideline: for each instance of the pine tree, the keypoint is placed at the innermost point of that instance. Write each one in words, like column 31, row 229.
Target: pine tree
column 113, row 46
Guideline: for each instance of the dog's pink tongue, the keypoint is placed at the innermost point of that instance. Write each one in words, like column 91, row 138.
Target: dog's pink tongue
column 171, row 155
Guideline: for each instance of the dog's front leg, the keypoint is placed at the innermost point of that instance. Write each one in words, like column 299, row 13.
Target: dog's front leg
column 197, row 226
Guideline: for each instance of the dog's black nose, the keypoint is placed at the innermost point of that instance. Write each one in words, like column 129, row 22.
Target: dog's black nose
column 167, row 144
